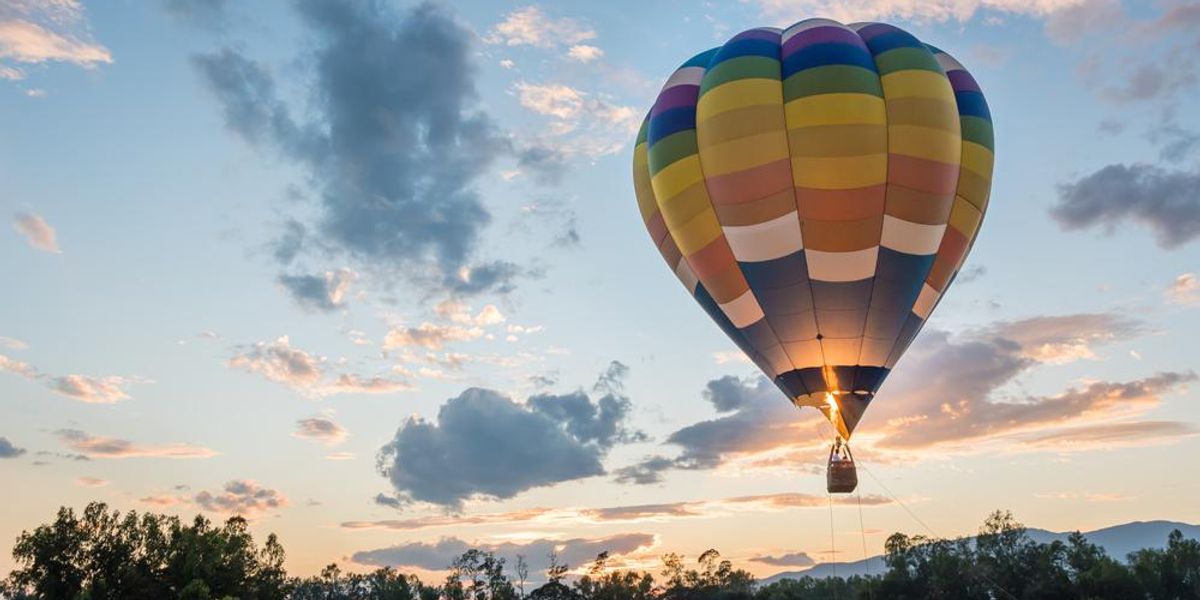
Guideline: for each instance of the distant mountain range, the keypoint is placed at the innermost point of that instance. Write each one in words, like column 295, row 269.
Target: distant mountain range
column 1118, row 541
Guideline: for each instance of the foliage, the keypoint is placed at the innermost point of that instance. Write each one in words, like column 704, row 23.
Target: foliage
column 103, row 554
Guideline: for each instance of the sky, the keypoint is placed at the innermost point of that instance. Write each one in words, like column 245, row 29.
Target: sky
column 373, row 275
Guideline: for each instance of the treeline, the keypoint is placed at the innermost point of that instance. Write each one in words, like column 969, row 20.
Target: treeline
column 103, row 555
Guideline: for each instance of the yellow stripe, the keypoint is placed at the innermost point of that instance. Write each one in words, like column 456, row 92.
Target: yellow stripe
column 739, row 94
column 965, row 217
column 647, row 204
column 684, row 207
column 836, row 109
column 839, row 173
column 677, row 177
column 917, row 83
column 745, row 153
column 923, row 142
column 978, row 159
column 697, row 233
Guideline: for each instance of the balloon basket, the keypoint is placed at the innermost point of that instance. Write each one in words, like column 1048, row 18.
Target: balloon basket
column 841, row 476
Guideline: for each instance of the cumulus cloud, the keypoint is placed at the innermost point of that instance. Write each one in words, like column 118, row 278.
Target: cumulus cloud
column 324, row 292
column 529, row 26
column 584, row 53
column 38, row 31
column 240, row 497
column 948, row 392
column 791, row 559
column 497, row 448
column 1165, row 201
column 321, row 429
column 8, row 450
column 38, row 233
column 394, row 147
column 279, row 362
column 438, row 555
column 93, row 446
column 1185, row 289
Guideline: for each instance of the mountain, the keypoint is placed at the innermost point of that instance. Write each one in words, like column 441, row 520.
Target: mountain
column 1118, row 541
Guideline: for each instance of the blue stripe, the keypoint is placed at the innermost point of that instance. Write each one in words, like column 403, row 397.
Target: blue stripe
column 672, row 121
column 777, row 273
column 765, row 48
column 869, row 378
column 892, row 40
column 971, row 103
column 832, row 53
column 702, row 59
column 842, row 295
column 705, row 300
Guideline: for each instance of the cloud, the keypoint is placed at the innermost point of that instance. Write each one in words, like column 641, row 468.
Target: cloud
column 429, row 335
column 529, row 26
column 786, row 12
column 91, row 482
column 438, row 555
column 348, row 383
column 8, row 450
column 627, row 514
column 40, row 31
column 38, row 233
column 792, row 559
column 241, row 497
column 1103, row 436
column 320, row 429
column 1063, row 339
column 323, row 292
column 13, row 343
column 394, row 147
column 93, row 446
column 497, row 448
column 205, row 14
column 582, row 123
column 1166, row 201
column 584, row 53
column 94, row 390
column 279, row 362
column 1185, row 289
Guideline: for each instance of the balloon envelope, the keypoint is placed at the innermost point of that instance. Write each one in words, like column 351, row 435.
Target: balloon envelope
column 816, row 189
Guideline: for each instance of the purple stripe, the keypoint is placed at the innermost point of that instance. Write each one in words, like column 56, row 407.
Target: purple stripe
column 962, row 81
column 761, row 33
column 875, row 29
column 680, row 95
column 821, row 35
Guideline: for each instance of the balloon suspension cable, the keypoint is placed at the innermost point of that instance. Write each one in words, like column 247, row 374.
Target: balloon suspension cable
column 832, row 546
column 862, row 529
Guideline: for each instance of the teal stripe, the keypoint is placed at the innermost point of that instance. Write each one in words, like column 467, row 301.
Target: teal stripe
column 831, row 79
column 743, row 67
column 671, row 149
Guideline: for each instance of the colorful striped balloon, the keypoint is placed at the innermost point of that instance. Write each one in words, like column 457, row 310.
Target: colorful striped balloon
column 816, row 189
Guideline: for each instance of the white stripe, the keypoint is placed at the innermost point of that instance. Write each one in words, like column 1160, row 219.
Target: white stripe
column 858, row 26
column 911, row 238
column 948, row 62
column 841, row 266
column 807, row 24
column 685, row 274
column 773, row 239
column 926, row 300
column 684, row 76
column 743, row 310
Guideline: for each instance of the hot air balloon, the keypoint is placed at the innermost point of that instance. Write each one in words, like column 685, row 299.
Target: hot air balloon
column 816, row 189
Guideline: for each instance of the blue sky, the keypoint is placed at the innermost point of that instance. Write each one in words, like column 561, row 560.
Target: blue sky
column 259, row 254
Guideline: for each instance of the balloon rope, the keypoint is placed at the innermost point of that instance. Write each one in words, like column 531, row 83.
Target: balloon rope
column 977, row 571
column 832, row 547
column 866, row 558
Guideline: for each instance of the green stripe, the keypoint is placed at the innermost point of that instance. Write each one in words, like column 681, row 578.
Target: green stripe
column 978, row 130
column 903, row 59
column 831, row 79
column 666, row 151
column 643, row 132
column 742, row 67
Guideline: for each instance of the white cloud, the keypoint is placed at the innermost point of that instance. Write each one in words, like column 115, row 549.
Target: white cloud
column 321, row 429
column 13, row 343
column 1185, row 289
column 242, row 496
column 582, row 123
column 38, row 233
column 507, row 63
column 429, row 335
column 280, row 363
column 584, row 53
column 93, row 446
column 93, row 390
column 39, row 31
column 530, row 26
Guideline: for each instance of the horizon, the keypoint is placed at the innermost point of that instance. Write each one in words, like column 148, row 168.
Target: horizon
column 213, row 312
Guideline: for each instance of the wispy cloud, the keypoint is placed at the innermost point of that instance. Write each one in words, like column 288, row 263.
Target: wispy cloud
column 530, row 26
column 786, row 12
column 321, row 429
column 40, row 31
column 281, row 363
column 38, row 233
column 1185, row 290
column 93, row 446
column 91, row 482
column 84, row 388
column 439, row 555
